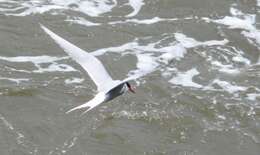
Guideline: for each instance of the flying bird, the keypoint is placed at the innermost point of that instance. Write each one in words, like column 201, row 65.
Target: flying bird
column 107, row 88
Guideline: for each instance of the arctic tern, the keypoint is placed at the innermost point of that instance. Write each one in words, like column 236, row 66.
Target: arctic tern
column 107, row 88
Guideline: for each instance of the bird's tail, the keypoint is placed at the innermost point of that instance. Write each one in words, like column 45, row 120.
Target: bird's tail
column 98, row 99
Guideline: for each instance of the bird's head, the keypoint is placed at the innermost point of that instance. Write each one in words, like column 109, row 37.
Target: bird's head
column 130, row 88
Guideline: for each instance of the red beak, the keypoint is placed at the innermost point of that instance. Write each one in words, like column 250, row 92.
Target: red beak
column 131, row 90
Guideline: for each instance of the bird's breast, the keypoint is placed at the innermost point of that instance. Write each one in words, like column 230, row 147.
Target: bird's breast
column 116, row 91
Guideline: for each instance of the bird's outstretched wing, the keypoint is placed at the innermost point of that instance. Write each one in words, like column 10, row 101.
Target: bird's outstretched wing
column 90, row 63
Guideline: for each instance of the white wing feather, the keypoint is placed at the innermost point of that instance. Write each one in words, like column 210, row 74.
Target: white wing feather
column 90, row 63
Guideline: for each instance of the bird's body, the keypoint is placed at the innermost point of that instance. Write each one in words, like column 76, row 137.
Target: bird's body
column 107, row 88
column 103, row 96
column 116, row 91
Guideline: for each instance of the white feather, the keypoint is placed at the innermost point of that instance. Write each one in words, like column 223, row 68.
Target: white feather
column 98, row 99
column 93, row 67
column 90, row 63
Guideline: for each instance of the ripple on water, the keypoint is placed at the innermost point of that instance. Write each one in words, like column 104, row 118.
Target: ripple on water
column 91, row 8
column 197, row 90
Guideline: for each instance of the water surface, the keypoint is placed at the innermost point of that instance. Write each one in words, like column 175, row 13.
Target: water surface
column 200, row 96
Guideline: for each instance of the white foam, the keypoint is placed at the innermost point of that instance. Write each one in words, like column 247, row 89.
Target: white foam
column 17, row 70
column 185, row 78
column 52, row 65
column 136, row 5
column 36, row 10
column 254, row 34
column 228, row 86
column 145, row 21
column 74, row 80
column 24, row 8
column 225, row 68
column 173, row 52
column 148, row 55
column 150, row 21
column 95, row 8
column 82, row 21
column 116, row 49
column 236, row 23
column 188, row 42
column 145, row 64
column 16, row 80
column 240, row 20
column 241, row 59
column 33, row 59
column 152, row 53
column 253, row 96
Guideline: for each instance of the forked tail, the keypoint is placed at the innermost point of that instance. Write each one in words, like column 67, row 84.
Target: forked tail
column 98, row 99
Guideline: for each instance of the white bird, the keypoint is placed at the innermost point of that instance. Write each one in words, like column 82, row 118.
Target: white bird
column 107, row 88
